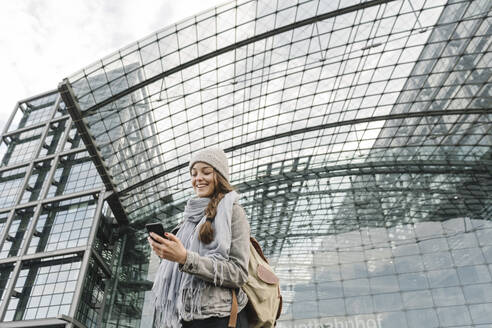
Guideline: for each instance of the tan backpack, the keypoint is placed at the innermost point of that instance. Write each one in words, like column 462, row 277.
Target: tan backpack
column 263, row 291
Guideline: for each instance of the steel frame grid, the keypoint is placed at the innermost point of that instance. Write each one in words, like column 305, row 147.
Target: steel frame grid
column 274, row 137
column 37, row 205
column 138, row 203
column 421, row 115
column 305, row 22
column 479, row 116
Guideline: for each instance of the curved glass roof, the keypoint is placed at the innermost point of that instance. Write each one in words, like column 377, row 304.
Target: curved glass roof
column 336, row 115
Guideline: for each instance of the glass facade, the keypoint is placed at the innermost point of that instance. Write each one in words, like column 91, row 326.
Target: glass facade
column 47, row 288
column 359, row 134
column 51, row 201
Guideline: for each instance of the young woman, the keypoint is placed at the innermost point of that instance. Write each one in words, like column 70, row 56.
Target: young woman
column 208, row 256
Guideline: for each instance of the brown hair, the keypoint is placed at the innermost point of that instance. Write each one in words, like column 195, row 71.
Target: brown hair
column 221, row 187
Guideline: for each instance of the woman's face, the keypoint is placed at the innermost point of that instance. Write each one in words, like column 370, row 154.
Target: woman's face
column 202, row 179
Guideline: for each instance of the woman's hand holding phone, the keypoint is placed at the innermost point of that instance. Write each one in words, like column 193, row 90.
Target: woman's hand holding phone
column 168, row 247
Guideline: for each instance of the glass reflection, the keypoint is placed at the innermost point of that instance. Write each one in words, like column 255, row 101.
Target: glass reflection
column 17, row 233
column 36, row 181
column 75, row 172
column 62, row 225
column 33, row 112
column 21, row 147
column 44, row 288
column 10, row 186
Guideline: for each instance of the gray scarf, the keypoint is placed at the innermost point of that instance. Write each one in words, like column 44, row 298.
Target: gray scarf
column 172, row 288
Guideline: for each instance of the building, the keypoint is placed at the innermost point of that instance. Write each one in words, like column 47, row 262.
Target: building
column 359, row 135
column 52, row 199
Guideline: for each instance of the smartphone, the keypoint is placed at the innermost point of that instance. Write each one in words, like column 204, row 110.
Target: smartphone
column 156, row 228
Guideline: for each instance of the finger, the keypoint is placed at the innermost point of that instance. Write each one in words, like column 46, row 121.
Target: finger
column 161, row 249
column 162, row 241
column 152, row 242
column 156, row 246
column 172, row 237
column 157, row 237
column 167, row 243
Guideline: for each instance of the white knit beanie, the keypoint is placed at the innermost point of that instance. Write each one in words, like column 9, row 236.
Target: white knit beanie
column 215, row 157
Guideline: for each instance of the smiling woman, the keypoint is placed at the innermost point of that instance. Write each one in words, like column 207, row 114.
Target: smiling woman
column 208, row 258
column 203, row 179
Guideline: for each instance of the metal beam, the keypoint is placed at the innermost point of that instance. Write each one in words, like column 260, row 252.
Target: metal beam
column 98, row 258
column 13, row 167
column 35, row 126
column 59, row 252
column 50, row 322
column 69, row 97
column 72, row 321
column 42, row 159
column 396, row 116
column 7, row 293
column 41, row 95
column 9, row 121
column 54, row 199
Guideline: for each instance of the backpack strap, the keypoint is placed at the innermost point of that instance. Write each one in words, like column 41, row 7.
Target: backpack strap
column 257, row 246
column 234, row 308
column 279, row 311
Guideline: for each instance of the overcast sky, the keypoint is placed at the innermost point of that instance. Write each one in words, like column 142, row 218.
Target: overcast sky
column 43, row 41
